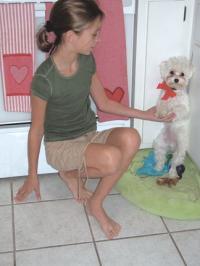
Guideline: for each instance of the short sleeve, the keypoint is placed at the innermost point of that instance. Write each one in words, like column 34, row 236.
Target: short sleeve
column 41, row 87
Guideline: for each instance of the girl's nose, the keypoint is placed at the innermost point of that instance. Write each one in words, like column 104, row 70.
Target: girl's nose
column 97, row 39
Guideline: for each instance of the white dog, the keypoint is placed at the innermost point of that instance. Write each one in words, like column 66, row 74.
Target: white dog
column 173, row 138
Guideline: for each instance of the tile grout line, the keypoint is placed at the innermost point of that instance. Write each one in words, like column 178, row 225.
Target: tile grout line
column 56, row 246
column 89, row 242
column 5, row 205
column 130, row 237
column 48, row 200
column 186, row 230
column 41, row 201
column 93, row 240
column 6, row 252
column 174, row 242
column 13, row 224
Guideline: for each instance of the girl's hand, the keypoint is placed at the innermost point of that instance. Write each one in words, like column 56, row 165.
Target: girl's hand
column 30, row 184
column 150, row 114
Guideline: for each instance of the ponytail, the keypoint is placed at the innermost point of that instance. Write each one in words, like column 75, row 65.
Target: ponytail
column 42, row 40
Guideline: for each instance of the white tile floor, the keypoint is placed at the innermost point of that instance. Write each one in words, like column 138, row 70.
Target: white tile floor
column 58, row 232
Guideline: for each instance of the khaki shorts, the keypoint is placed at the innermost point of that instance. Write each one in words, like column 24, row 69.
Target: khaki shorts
column 68, row 155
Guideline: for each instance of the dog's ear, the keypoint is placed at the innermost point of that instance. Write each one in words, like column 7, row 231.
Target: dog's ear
column 163, row 69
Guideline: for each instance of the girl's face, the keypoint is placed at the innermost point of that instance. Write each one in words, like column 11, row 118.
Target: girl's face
column 87, row 39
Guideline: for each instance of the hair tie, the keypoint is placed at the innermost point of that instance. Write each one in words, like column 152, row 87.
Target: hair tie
column 48, row 26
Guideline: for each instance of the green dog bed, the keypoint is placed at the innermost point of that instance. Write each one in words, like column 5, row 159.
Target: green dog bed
column 178, row 202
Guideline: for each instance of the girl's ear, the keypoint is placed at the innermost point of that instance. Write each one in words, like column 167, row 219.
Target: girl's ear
column 69, row 35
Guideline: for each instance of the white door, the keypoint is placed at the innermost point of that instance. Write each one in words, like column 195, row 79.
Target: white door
column 164, row 30
column 194, row 91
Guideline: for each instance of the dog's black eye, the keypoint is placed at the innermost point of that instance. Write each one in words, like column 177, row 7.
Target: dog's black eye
column 182, row 74
column 171, row 72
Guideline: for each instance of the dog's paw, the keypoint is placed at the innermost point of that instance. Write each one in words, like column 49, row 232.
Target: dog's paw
column 157, row 114
column 163, row 181
column 161, row 113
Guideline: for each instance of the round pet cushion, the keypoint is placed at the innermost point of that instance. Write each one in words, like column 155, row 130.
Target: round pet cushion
column 178, row 202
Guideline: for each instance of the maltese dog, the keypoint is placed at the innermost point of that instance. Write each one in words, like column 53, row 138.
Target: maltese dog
column 173, row 138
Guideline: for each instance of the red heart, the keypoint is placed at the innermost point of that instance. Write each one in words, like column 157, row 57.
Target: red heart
column 116, row 95
column 19, row 73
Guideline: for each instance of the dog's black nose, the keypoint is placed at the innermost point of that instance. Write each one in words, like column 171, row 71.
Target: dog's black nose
column 176, row 80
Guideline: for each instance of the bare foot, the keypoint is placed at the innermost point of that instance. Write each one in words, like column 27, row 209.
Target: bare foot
column 108, row 225
column 72, row 184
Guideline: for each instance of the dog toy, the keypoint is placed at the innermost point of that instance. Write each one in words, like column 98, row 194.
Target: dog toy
column 148, row 167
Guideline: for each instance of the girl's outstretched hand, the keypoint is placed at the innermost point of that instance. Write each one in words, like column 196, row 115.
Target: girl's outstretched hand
column 30, row 184
column 150, row 114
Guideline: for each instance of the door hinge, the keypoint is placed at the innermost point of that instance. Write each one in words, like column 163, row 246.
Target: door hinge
column 185, row 12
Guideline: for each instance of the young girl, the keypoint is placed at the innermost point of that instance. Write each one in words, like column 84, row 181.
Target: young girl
column 61, row 112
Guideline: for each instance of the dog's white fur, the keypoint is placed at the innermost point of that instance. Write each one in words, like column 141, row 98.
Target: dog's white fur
column 174, row 136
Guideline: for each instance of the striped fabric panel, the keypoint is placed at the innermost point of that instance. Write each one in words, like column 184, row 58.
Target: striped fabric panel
column 48, row 10
column 17, row 31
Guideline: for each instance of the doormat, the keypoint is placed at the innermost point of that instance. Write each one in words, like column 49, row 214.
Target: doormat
column 177, row 202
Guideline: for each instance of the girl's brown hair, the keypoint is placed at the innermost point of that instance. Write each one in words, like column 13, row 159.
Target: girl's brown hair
column 67, row 15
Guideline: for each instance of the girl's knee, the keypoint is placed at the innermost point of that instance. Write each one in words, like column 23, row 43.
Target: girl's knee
column 112, row 160
column 132, row 139
column 136, row 136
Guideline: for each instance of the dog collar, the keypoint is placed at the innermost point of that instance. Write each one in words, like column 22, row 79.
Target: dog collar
column 169, row 92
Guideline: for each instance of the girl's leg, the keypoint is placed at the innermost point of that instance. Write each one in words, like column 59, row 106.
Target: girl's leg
column 70, row 177
column 110, row 161
column 71, row 180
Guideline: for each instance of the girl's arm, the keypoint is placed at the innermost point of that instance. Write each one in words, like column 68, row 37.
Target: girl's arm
column 104, row 104
column 34, row 142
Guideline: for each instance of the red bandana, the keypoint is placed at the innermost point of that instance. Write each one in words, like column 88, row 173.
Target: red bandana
column 168, row 91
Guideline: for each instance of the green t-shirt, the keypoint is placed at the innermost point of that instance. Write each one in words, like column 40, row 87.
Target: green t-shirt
column 68, row 113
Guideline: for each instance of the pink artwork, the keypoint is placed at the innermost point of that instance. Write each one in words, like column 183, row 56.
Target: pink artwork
column 116, row 95
column 18, row 69
column 48, row 10
column 110, row 55
column 17, row 54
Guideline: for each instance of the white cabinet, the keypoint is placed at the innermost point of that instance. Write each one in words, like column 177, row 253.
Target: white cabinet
column 13, row 156
column 194, row 91
column 164, row 29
